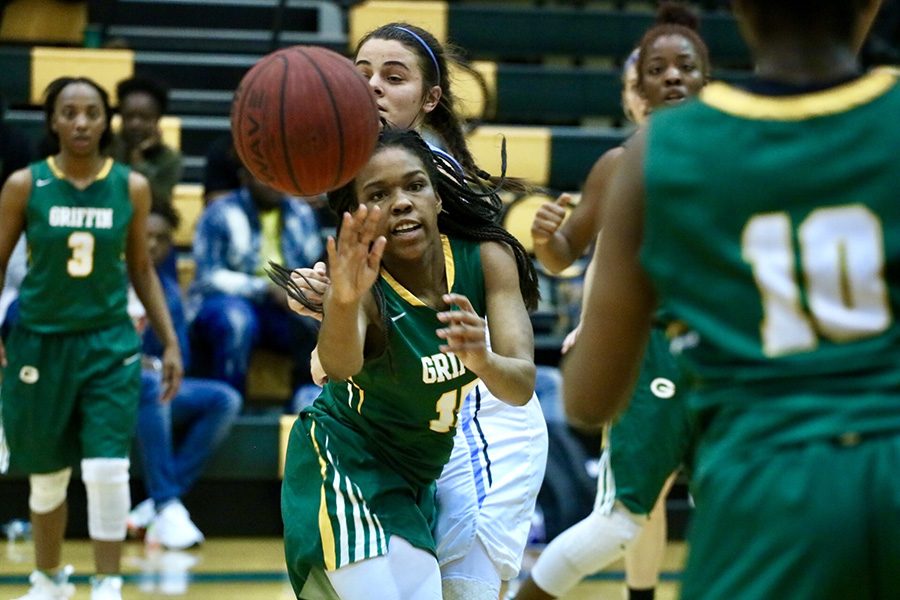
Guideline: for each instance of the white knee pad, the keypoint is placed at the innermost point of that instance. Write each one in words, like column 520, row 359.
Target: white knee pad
column 585, row 548
column 468, row 589
column 48, row 491
column 472, row 577
column 108, row 497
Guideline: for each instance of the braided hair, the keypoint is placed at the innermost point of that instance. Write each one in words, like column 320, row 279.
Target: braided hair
column 467, row 213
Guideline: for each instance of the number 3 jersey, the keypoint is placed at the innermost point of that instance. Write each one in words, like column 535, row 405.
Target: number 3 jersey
column 405, row 402
column 76, row 279
column 772, row 229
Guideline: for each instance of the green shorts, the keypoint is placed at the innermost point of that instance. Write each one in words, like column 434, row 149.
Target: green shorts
column 340, row 505
column 817, row 520
column 655, row 434
column 70, row 396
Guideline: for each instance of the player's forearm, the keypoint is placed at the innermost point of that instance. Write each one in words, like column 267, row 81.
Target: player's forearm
column 555, row 254
column 341, row 339
column 509, row 379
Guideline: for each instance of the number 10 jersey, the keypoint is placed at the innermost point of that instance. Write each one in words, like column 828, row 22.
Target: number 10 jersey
column 772, row 229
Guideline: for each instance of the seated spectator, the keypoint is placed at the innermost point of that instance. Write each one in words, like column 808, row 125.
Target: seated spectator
column 202, row 412
column 139, row 144
column 239, row 307
column 220, row 175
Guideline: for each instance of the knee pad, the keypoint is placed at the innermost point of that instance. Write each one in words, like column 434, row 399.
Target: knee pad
column 48, row 491
column 585, row 548
column 468, row 589
column 108, row 497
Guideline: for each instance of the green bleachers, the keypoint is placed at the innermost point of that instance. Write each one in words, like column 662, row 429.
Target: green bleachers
column 511, row 31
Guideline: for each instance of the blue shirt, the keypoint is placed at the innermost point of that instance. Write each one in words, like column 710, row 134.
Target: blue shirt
column 227, row 245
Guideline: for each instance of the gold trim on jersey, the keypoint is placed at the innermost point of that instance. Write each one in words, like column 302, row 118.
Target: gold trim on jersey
column 449, row 267
column 842, row 98
column 60, row 174
column 892, row 69
column 326, row 532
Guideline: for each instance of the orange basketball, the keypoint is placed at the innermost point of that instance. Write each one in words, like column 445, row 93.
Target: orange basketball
column 304, row 121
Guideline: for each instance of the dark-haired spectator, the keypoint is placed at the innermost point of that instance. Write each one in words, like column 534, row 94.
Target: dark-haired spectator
column 202, row 413
column 139, row 143
column 220, row 175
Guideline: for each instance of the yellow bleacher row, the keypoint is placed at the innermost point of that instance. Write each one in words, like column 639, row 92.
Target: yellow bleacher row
column 44, row 21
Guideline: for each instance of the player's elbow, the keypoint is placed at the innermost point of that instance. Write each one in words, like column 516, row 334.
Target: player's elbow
column 340, row 369
column 586, row 410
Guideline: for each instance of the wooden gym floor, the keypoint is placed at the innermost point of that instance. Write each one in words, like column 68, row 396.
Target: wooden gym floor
column 247, row 569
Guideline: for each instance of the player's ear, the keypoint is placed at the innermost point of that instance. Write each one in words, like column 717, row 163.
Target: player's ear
column 432, row 98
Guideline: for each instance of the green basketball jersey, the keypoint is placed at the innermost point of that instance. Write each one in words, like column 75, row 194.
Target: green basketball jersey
column 406, row 400
column 76, row 277
column 772, row 229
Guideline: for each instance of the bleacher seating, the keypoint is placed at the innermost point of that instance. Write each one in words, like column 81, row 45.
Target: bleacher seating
column 512, row 31
column 547, row 73
column 251, row 26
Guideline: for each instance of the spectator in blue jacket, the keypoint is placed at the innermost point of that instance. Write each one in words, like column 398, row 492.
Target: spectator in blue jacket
column 202, row 414
column 239, row 307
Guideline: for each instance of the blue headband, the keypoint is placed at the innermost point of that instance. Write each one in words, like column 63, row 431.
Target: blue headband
column 428, row 49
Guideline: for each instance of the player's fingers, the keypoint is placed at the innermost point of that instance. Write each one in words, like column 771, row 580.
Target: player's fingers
column 369, row 229
column 171, row 380
column 564, row 200
column 376, row 252
column 459, row 300
column 331, row 249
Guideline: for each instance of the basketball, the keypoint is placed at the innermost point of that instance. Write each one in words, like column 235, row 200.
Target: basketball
column 304, row 121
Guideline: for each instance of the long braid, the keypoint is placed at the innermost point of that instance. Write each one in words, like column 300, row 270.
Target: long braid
column 468, row 213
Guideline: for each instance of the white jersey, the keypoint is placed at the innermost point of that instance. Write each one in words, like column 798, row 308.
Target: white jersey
column 488, row 490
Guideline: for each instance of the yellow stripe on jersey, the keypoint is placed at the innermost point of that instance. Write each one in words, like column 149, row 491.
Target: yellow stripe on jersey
column 325, row 531
column 449, row 267
column 60, row 174
column 351, row 385
column 740, row 103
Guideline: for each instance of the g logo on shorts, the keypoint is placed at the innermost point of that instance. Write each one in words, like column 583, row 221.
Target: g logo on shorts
column 29, row 374
column 662, row 388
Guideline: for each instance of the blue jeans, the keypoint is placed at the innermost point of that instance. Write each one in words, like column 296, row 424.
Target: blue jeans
column 228, row 328
column 204, row 410
column 548, row 386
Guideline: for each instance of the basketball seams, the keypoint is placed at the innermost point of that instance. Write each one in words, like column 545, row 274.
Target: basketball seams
column 282, row 126
column 327, row 131
column 334, row 110
column 242, row 101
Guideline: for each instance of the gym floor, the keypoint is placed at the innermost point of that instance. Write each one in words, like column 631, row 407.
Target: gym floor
column 249, row 569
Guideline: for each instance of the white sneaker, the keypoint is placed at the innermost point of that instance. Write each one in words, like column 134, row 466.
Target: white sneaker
column 173, row 529
column 106, row 587
column 45, row 588
column 140, row 518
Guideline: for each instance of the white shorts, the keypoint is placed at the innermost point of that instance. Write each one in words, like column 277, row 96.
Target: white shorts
column 488, row 489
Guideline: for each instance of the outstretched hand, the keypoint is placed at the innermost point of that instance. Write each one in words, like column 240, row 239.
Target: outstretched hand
column 355, row 258
column 548, row 219
column 465, row 332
